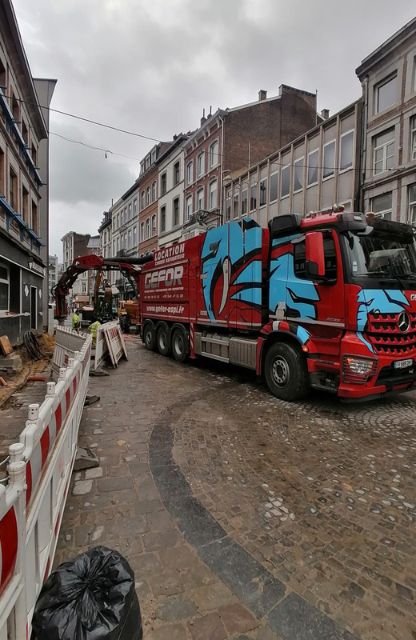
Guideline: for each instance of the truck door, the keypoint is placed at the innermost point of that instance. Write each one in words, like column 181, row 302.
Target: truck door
column 318, row 305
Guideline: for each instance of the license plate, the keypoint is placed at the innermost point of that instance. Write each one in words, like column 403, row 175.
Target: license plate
column 403, row 364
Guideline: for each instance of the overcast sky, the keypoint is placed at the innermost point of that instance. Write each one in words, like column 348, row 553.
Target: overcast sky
column 151, row 66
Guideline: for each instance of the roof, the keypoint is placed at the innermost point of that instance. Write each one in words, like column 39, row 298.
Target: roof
column 409, row 29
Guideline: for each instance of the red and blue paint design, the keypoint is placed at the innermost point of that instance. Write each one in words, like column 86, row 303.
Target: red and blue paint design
column 231, row 259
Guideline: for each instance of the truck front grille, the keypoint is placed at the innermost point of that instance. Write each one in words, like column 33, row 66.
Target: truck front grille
column 383, row 333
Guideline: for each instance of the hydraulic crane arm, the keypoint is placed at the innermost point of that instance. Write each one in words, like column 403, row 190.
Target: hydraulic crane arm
column 127, row 266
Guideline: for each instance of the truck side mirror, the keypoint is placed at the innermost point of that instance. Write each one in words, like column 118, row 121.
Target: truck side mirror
column 315, row 254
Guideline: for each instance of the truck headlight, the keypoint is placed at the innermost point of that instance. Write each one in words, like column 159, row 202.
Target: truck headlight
column 358, row 370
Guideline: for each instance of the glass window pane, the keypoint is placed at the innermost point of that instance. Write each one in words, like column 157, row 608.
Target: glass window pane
column 285, row 182
column 4, row 274
column 244, row 201
column 298, row 175
column 313, row 167
column 382, row 203
column 346, row 151
column 4, row 296
column 273, row 187
column 329, row 160
column 386, row 93
column 263, row 191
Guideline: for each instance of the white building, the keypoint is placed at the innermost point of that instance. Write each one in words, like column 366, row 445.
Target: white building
column 171, row 207
column 124, row 216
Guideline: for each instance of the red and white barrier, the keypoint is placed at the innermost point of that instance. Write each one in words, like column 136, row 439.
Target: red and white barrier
column 32, row 503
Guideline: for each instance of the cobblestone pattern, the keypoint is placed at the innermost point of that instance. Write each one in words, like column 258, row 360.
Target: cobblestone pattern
column 320, row 495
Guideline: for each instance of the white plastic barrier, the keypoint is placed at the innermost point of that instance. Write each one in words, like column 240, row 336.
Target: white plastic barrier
column 32, row 503
column 67, row 343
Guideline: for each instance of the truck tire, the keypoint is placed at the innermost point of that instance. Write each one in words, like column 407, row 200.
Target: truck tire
column 180, row 344
column 163, row 339
column 285, row 372
column 149, row 336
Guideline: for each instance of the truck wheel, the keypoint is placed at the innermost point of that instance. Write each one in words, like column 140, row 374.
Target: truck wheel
column 149, row 337
column 285, row 372
column 180, row 344
column 163, row 339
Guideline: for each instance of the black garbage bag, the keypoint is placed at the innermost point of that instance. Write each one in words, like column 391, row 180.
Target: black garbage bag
column 91, row 598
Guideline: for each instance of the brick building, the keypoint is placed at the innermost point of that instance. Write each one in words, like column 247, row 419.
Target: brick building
column 148, row 198
column 233, row 139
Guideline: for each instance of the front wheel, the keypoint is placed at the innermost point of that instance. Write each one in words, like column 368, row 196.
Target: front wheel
column 286, row 372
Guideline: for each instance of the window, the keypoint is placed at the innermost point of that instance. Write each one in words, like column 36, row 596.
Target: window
column 188, row 207
column 414, row 75
column 176, row 173
column 253, row 196
column 3, row 80
column 228, row 204
column 189, row 173
column 330, row 258
column 15, row 109
column 142, row 201
column 129, row 239
column 382, row 205
column 84, row 287
column 147, row 228
column 236, row 201
column 200, row 199
column 134, row 206
column 114, row 247
column 25, row 205
column 412, row 139
column 25, row 133
column 13, row 189
column 141, row 232
column 201, row 164
column 273, row 187
column 346, row 150
column 35, row 219
column 383, row 151
column 4, row 287
column 147, row 196
column 34, row 153
column 263, row 192
column 244, row 200
column 130, row 209
column 134, row 236
column 412, row 204
column 313, row 167
column 213, row 154
column 163, row 184
column 154, row 191
column 298, row 175
column 285, row 182
column 176, row 212
column 163, row 219
column 329, row 160
column 154, row 228
column 213, row 195
column 2, row 181
column 385, row 93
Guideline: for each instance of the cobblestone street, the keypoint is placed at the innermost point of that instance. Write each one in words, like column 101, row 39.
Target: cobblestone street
column 244, row 516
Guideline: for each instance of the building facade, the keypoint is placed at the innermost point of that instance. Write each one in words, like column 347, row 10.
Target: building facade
column 388, row 78
column 232, row 140
column 105, row 233
column 312, row 173
column 74, row 245
column 23, row 227
column 148, row 199
column 171, row 191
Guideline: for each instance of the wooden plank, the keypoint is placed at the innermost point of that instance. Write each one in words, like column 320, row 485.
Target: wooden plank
column 5, row 345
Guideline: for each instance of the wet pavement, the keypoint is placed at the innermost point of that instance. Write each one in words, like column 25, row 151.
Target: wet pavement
column 244, row 516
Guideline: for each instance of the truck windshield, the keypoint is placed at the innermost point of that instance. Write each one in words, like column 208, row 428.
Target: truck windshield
column 381, row 254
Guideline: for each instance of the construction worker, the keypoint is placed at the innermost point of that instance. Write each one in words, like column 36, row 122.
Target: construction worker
column 76, row 321
column 93, row 328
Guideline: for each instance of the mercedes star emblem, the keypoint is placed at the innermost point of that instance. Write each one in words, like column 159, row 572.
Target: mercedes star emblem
column 403, row 321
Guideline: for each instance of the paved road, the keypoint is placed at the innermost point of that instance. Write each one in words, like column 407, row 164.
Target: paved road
column 247, row 517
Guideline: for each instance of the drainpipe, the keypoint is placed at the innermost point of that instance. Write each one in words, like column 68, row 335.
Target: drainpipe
column 363, row 153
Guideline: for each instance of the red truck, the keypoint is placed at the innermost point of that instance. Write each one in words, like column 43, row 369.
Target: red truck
column 327, row 301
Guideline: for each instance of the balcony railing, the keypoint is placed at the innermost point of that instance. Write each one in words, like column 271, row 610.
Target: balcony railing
column 17, row 227
column 14, row 131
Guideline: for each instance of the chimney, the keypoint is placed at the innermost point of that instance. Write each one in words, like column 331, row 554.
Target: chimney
column 325, row 114
column 203, row 119
column 262, row 95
